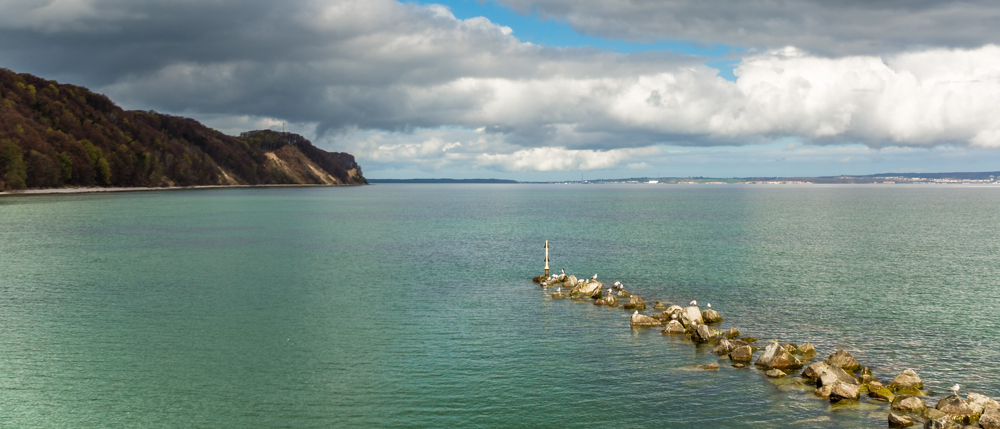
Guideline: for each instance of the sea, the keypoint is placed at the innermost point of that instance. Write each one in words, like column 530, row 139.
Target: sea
column 412, row 306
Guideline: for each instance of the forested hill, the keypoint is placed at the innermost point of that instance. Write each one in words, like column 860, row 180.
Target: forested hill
column 57, row 135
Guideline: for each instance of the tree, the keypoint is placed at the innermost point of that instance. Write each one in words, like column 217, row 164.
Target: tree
column 14, row 171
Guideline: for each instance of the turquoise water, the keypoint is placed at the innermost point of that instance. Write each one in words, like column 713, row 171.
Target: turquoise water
column 412, row 305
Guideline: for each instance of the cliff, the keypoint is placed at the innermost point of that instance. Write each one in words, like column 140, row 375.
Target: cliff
column 57, row 135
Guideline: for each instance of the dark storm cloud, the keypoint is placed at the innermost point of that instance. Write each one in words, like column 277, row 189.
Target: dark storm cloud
column 845, row 27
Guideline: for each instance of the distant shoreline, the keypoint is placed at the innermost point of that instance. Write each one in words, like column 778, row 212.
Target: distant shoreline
column 95, row 190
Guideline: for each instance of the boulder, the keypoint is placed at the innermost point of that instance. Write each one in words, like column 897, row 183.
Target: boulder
column 732, row 333
column 538, row 279
column 844, row 360
column 833, row 374
column 586, row 288
column 941, row 424
column 775, row 357
column 572, row 280
column 933, row 414
column 635, row 303
column 557, row 295
column 790, row 347
column 724, row 347
column 739, row 365
column 741, row 354
column 623, row 294
column 675, row 309
column 981, row 403
column 599, row 302
column 907, row 382
column 691, row 316
column 807, row 350
column 702, row 334
column 990, row 419
column 907, row 403
column 900, row 420
column 957, row 409
column 659, row 306
column 674, row 328
column 813, row 371
column 879, row 392
column 643, row 320
column 823, row 392
column 775, row 373
column 663, row 316
column 714, row 366
column 610, row 301
column 866, row 376
column 841, row 391
column 597, row 294
column 711, row 316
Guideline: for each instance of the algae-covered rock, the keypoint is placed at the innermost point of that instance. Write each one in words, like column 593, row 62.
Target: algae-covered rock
column 610, row 300
column 941, row 424
column 663, row 316
column 807, row 351
column 990, row 419
column 660, row 305
column 732, row 333
column 675, row 309
column 844, row 360
column 823, row 391
column 538, row 279
column 907, row 382
column 674, row 328
column 900, row 420
column 865, row 376
column 741, row 354
column 776, row 357
column 833, row 374
column 981, row 403
column 879, row 392
column 775, row 373
column 749, row 340
column 844, row 391
column 813, row 371
column 908, row 403
column 739, row 365
column 558, row 295
column 790, row 347
column 957, row 409
column 711, row 316
column 641, row 320
column 714, row 366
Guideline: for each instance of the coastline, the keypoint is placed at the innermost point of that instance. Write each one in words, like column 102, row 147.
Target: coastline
column 94, row 190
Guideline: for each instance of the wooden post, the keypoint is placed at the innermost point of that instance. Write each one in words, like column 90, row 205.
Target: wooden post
column 546, row 258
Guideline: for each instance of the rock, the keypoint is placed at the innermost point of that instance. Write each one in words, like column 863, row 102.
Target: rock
column 724, row 347
column 749, row 340
column 714, row 366
column 701, row 334
column 643, row 320
column 775, row 357
column 941, row 424
column 538, row 279
column 623, row 294
column 813, row 371
column 807, row 350
column 866, row 376
column 790, row 348
column 990, row 419
column 933, row 414
column 711, row 316
column 557, row 295
column 572, row 280
column 841, row 391
column 597, row 294
column 610, row 301
column 907, row 382
column 732, row 333
column 957, row 409
column 775, row 373
column 691, row 316
column 823, row 392
column 981, row 403
column 659, row 306
column 662, row 316
column 675, row 309
column 586, row 288
column 741, row 354
column 879, row 392
column 674, row 328
column 900, row 420
column 844, row 360
column 908, row 403
column 833, row 374
column 635, row 303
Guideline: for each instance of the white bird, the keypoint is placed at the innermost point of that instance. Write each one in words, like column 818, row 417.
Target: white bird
column 954, row 389
column 673, row 316
column 636, row 313
column 544, row 284
column 564, row 271
column 694, row 302
column 595, row 277
column 558, row 290
column 609, row 291
column 709, row 305
column 618, row 283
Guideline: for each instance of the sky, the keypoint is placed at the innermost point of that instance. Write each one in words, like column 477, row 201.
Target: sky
column 551, row 89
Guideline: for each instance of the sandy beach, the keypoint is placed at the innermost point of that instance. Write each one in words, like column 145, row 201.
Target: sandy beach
column 90, row 190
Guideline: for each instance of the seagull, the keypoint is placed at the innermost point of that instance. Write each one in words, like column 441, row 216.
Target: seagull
column 954, row 389
column 636, row 313
column 564, row 271
column 710, row 305
column 559, row 290
column 609, row 291
column 694, row 302
column 673, row 316
column 595, row 277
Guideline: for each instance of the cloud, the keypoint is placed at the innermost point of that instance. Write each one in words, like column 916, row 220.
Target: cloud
column 846, row 27
column 400, row 83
